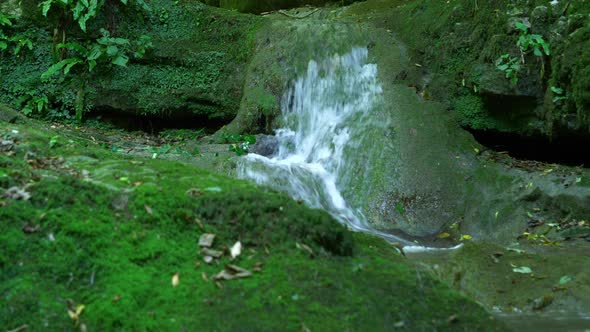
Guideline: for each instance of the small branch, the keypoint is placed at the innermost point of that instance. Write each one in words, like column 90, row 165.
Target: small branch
column 567, row 6
column 20, row 328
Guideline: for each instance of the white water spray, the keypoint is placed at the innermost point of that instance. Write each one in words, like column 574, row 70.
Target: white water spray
column 324, row 113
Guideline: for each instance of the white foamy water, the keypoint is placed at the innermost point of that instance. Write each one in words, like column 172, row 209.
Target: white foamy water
column 324, row 112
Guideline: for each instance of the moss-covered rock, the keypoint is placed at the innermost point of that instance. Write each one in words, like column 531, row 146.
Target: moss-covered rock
column 459, row 42
column 109, row 232
column 195, row 71
column 196, row 68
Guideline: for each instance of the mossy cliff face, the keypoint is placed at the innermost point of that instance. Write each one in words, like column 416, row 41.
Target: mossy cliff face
column 195, row 70
column 457, row 43
column 109, row 232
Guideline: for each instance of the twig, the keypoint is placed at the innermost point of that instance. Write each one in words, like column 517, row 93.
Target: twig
column 20, row 328
column 567, row 6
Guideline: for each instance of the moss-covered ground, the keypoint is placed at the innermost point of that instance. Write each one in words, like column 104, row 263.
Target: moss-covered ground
column 107, row 231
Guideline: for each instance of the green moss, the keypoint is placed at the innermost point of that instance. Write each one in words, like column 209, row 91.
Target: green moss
column 472, row 112
column 112, row 237
column 455, row 39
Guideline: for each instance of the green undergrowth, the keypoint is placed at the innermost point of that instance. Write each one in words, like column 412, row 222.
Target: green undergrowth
column 109, row 232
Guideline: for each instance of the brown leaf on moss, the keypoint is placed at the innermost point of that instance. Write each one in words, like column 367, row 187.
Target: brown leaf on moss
column 148, row 209
column 175, row 280
column 206, row 240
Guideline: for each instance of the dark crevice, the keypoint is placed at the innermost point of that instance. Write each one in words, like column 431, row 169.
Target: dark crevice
column 153, row 124
column 570, row 151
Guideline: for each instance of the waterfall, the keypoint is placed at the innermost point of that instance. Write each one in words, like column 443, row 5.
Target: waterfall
column 324, row 113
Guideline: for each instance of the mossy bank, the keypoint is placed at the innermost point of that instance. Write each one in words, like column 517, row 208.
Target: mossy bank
column 85, row 226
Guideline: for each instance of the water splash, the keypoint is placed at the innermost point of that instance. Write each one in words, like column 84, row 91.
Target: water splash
column 325, row 113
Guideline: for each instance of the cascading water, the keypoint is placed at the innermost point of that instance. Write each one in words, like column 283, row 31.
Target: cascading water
column 325, row 113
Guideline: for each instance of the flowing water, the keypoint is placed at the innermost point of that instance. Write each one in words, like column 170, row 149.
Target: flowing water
column 325, row 113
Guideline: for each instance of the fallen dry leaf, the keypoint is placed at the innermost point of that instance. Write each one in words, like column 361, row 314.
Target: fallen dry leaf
column 28, row 229
column 200, row 223
column 232, row 272
column 175, row 280
column 211, row 252
column 206, row 240
column 236, row 250
column 148, row 209
column 75, row 314
column 194, row 192
column 304, row 247
column 16, row 193
column 204, row 276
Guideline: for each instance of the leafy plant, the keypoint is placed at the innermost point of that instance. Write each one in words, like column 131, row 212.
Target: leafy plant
column 33, row 102
column 527, row 41
column 558, row 93
column 510, row 66
column 107, row 49
column 82, row 10
column 18, row 42
column 240, row 144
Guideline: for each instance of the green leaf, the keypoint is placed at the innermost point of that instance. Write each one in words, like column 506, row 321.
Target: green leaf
column 3, row 45
column 91, row 65
column 120, row 60
column 54, row 69
column 94, row 53
column 46, row 5
column 5, row 21
column 546, row 48
column 40, row 105
column 564, row 280
column 537, row 52
column 70, row 65
column 557, row 90
column 119, row 41
column 523, row 270
column 521, row 26
column 503, row 67
column 73, row 47
column 112, row 50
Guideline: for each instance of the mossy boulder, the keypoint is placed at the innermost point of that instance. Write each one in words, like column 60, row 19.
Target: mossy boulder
column 460, row 41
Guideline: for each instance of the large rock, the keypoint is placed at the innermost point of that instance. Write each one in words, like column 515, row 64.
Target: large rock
column 421, row 173
column 195, row 71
